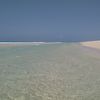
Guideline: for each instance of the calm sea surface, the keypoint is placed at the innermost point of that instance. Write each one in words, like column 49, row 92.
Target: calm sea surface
column 63, row 71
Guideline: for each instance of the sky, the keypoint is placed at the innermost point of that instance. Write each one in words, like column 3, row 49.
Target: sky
column 49, row 20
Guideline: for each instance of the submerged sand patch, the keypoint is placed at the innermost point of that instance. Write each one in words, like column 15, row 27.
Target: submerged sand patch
column 93, row 44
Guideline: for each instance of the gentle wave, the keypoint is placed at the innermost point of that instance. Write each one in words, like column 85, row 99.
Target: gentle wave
column 28, row 43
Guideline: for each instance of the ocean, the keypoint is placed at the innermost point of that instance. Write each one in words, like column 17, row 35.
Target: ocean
column 49, row 71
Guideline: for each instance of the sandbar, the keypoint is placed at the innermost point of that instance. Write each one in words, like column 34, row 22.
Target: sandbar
column 92, row 44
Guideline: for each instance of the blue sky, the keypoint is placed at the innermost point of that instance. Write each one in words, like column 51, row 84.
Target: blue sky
column 49, row 20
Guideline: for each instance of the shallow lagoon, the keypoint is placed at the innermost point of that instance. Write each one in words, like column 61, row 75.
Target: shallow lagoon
column 63, row 71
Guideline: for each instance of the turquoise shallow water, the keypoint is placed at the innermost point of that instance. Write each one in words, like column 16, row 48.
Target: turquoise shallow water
column 64, row 71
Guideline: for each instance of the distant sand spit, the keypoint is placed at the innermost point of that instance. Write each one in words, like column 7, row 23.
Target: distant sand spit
column 92, row 44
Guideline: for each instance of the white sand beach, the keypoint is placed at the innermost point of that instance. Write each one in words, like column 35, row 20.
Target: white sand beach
column 93, row 44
